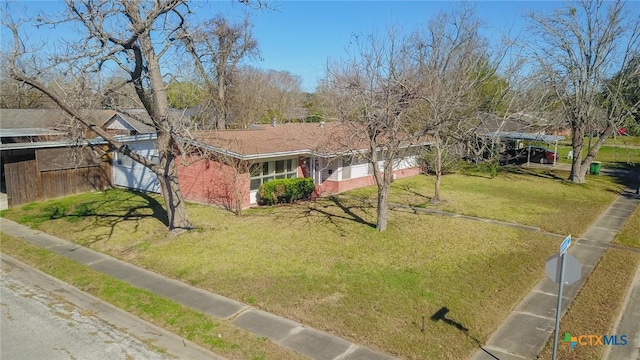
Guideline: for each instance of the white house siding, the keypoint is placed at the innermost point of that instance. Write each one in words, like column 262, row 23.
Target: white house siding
column 406, row 163
column 360, row 167
column 130, row 174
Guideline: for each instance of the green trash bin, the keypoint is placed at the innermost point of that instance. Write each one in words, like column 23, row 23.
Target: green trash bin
column 594, row 169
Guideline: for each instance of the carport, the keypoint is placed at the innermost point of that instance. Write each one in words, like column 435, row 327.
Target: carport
column 508, row 135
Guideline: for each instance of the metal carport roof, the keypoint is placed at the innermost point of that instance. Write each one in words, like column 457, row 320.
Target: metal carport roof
column 522, row 136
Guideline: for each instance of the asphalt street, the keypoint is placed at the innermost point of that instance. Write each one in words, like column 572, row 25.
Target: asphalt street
column 37, row 325
column 44, row 318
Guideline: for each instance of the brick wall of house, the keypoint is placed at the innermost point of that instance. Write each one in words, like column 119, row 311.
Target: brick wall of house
column 209, row 181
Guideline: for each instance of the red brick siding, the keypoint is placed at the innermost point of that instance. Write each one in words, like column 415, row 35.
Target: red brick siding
column 209, row 181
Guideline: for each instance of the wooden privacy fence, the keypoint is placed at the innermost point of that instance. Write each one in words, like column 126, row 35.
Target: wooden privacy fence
column 21, row 182
column 27, row 182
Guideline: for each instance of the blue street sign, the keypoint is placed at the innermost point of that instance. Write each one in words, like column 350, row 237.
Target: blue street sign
column 565, row 245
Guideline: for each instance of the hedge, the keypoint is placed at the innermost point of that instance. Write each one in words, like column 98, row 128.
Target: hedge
column 280, row 191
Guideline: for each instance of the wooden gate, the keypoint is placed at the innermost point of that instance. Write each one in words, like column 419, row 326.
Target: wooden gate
column 22, row 182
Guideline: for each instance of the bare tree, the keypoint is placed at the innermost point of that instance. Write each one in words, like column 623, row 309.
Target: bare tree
column 373, row 93
column 578, row 49
column 262, row 95
column 217, row 48
column 452, row 64
column 15, row 95
column 132, row 36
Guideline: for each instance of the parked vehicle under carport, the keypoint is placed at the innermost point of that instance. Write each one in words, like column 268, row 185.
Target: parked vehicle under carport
column 523, row 155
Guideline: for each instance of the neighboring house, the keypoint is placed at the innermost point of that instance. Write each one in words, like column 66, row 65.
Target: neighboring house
column 40, row 161
column 515, row 132
column 230, row 165
column 512, row 132
column 133, row 127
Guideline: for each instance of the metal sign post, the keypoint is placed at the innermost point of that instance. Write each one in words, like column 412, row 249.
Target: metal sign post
column 563, row 249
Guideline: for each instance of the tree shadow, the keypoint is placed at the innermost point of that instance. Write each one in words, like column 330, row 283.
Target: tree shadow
column 106, row 213
column 407, row 189
column 441, row 315
column 629, row 176
column 544, row 174
column 348, row 211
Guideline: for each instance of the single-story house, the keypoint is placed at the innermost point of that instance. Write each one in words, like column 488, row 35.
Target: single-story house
column 230, row 165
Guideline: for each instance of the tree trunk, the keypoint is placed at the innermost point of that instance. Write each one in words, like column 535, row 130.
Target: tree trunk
column 383, row 205
column 593, row 150
column 158, row 108
column 436, row 192
column 438, row 170
column 577, row 174
column 177, row 217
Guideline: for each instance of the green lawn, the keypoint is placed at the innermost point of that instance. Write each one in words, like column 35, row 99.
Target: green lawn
column 323, row 263
column 536, row 197
column 618, row 152
column 630, row 233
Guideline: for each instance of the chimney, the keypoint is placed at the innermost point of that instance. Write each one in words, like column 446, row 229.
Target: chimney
column 274, row 122
column 321, row 124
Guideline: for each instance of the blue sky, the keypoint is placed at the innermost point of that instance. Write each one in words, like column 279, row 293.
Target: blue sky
column 299, row 36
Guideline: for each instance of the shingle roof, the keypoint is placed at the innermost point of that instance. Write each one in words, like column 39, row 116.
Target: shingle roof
column 54, row 118
column 330, row 138
column 267, row 139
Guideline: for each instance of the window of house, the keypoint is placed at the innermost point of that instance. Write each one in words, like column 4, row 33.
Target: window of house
column 279, row 166
column 346, row 167
column 269, row 170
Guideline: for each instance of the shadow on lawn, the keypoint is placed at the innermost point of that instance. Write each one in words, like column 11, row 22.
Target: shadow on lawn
column 628, row 176
column 537, row 172
column 441, row 314
column 409, row 190
column 107, row 212
column 624, row 174
column 348, row 211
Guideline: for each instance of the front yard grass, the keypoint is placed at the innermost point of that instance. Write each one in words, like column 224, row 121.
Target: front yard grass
column 528, row 196
column 630, row 233
column 323, row 264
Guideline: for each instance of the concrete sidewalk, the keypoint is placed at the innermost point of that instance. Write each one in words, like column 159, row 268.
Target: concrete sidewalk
column 525, row 331
column 287, row 333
